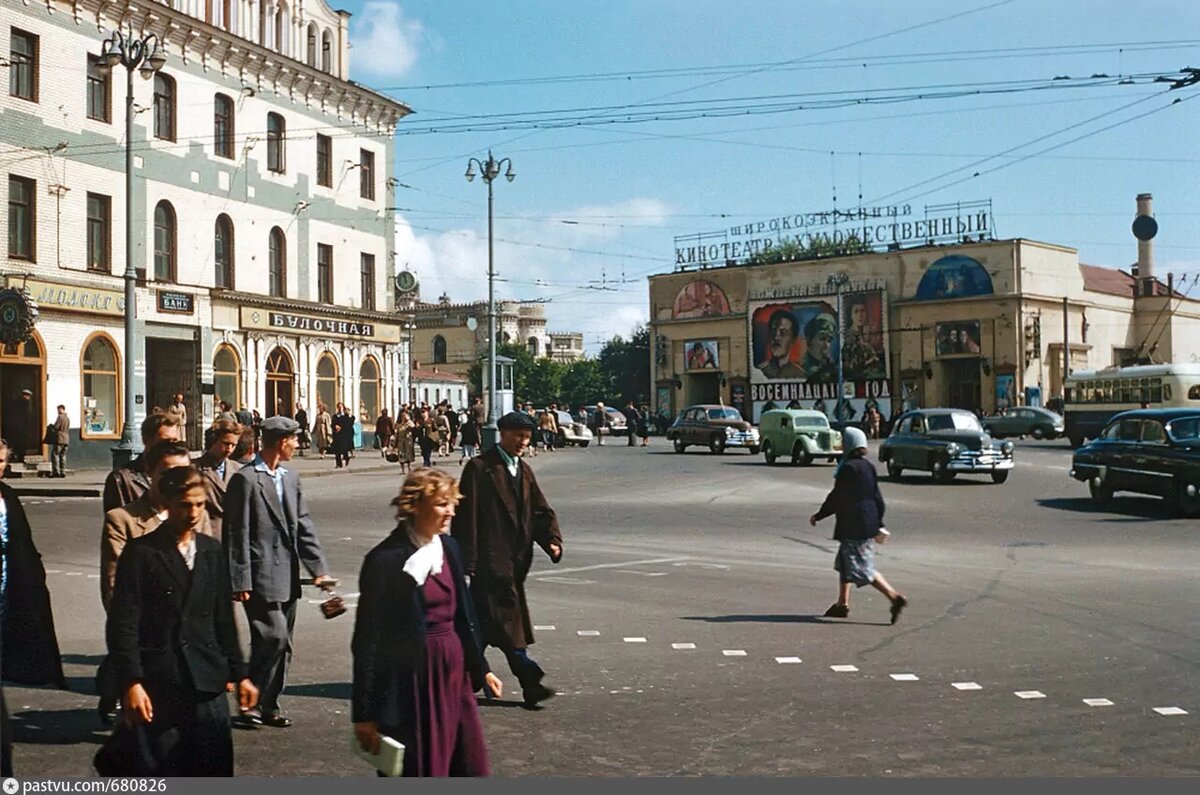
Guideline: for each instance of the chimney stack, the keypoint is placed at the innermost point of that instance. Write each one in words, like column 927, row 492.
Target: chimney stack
column 1145, row 260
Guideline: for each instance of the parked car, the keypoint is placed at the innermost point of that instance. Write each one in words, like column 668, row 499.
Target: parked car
column 1149, row 451
column 803, row 434
column 616, row 420
column 571, row 431
column 716, row 427
column 1025, row 421
column 944, row 442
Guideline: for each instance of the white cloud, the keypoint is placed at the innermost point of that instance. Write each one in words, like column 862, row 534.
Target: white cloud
column 386, row 43
column 454, row 262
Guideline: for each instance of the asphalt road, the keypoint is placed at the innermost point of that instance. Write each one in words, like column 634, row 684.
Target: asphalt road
column 684, row 629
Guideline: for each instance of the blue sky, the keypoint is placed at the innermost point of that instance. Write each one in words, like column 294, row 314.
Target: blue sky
column 598, row 206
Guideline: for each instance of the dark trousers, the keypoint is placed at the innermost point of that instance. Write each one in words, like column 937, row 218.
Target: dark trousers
column 5, row 740
column 342, row 457
column 632, row 436
column 524, row 667
column 58, row 459
column 191, row 734
column 271, row 628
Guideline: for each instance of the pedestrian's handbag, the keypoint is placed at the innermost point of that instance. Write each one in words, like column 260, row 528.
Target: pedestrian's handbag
column 51, row 436
column 392, row 456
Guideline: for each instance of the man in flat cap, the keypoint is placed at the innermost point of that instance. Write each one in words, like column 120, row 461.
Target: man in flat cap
column 268, row 534
column 502, row 514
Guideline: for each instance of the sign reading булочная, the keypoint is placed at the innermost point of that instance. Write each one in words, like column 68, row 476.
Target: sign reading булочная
column 285, row 322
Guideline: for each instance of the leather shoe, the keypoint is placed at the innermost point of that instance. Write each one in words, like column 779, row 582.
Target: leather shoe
column 538, row 693
column 838, row 611
column 898, row 604
column 247, row 721
column 276, row 720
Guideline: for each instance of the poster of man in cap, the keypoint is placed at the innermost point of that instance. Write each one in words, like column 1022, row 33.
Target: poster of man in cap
column 794, row 342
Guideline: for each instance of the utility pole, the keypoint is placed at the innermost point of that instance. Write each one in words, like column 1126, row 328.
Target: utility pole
column 1066, row 345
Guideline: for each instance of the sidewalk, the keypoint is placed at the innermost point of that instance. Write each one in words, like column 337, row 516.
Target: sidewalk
column 90, row 482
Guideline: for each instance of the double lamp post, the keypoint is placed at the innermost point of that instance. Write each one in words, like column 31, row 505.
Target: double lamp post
column 489, row 170
column 146, row 56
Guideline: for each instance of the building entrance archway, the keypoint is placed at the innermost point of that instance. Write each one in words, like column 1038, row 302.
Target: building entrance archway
column 23, row 367
column 281, row 380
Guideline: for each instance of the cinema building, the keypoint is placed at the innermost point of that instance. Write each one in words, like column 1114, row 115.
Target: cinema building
column 980, row 324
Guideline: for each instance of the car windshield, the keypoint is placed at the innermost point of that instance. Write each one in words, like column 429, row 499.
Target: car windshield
column 812, row 422
column 1186, row 429
column 958, row 421
column 724, row 414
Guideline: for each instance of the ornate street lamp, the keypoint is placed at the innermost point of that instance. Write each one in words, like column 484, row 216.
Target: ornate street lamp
column 146, row 56
column 489, row 170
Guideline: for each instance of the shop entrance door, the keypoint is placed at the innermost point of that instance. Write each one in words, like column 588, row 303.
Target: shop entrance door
column 280, row 378
column 171, row 370
column 22, row 419
column 703, row 388
column 962, row 383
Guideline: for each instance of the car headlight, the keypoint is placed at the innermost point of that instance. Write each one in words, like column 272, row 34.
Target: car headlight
column 1007, row 448
column 952, row 449
column 730, row 430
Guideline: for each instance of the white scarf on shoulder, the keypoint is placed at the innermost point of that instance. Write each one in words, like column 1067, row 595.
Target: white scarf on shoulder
column 427, row 560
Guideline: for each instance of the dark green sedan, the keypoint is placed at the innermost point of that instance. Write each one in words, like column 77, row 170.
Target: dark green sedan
column 944, row 443
column 1025, row 421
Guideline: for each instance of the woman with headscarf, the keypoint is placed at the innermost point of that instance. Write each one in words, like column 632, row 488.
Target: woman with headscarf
column 418, row 650
column 858, row 505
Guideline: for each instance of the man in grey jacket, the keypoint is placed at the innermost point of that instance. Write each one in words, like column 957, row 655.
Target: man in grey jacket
column 268, row 534
column 58, row 450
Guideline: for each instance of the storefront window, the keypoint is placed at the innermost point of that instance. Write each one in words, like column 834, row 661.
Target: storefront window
column 369, row 390
column 100, row 367
column 226, row 380
column 327, row 377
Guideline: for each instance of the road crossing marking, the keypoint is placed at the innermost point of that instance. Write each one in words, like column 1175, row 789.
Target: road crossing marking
column 642, row 573
column 844, row 669
column 1028, row 694
column 588, row 633
column 600, row 566
column 681, row 646
column 635, row 640
column 966, row 686
column 544, row 627
column 74, row 573
column 1097, row 702
column 1170, row 711
column 905, row 677
column 734, row 652
column 54, row 571
column 567, row 581
column 788, row 660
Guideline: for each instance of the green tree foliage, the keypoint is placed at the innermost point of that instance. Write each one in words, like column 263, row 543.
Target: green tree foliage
column 583, row 383
column 626, row 365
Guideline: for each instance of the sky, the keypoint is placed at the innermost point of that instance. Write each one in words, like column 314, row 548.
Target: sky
column 596, row 206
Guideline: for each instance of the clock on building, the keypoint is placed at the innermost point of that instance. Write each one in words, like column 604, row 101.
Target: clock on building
column 406, row 281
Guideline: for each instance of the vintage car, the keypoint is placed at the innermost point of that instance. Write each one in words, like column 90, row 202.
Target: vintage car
column 1150, row 451
column 1025, row 421
column 571, row 431
column 944, row 442
column 715, row 427
column 803, row 434
column 616, row 420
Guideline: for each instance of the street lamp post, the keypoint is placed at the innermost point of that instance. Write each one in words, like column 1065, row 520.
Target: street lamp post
column 146, row 56
column 489, row 170
column 839, row 281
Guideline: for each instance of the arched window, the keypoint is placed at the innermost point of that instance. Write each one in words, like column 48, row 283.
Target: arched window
column 101, row 386
column 227, row 381
column 276, row 134
column 368, row 390
column 282, row 20
column 277, row 264
column 439, row 349
column 223, row 126
column 533, row 346
column 327, row 53
column 223, row 252
column 327, row 381
column 279, row 383
column 165, row 264
column 164, row 107
column 312, row 45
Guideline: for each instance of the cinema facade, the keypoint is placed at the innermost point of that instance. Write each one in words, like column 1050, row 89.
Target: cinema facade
column 976, row 325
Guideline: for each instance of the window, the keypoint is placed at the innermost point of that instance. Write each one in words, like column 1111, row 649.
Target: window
column 366, row 168
column 99, row 82
column 368, row 391
column 312, row 45
column 1153, row 432
column 223, row 126
column 366, row 269
column 164, row 107
column 164, row 243
column 223, row 252
column 324, row 273
column 327, row 381
column 100, row 389
column 227, row 377
column 277, row 264
column 326, row 53
column 23, row 65
column 99, row 233
column 532, row 344
column 439, row 349
column 324, row 160
column 22, row 211
column 276, row 133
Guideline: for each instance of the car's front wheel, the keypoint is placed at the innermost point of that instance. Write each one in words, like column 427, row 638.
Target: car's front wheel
column 753, row 450
column 895, row 471
column 717, row 445
column 939, row 472
column 800, row 455
column 768, row 451
column 582, row 444
column 1000, row 475
column 1189, row 504
column 1101, row 492
column 1038, row 433
column 679, row 445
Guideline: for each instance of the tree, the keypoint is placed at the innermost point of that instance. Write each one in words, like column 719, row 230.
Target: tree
column 626, row 367
column 584, row 383
column 544, row 382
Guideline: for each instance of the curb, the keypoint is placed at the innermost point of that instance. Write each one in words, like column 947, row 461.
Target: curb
column 44, row 491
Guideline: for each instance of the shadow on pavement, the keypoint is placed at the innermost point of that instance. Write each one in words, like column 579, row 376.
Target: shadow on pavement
column 813, row 544
column 781, row 619
column 335, row 690
column 58, row 727
column 1131, row 509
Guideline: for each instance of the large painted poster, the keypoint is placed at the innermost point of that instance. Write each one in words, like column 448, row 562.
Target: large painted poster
column 795, row 346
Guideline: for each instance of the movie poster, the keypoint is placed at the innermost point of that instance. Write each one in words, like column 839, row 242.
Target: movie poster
column 702, row 355
column 960, row 338
column 795, row 346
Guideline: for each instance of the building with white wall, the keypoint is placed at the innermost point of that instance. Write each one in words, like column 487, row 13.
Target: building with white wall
column 261, row 230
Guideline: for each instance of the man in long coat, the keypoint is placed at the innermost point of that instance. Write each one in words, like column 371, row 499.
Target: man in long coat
column 503, row 513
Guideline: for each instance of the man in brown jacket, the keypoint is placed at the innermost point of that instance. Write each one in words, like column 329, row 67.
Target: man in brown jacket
column 126, row 484
column 502, row 514
column 217, row 467
column 58, row 449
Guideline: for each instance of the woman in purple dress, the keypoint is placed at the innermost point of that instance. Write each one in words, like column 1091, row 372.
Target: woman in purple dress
column 418, row 654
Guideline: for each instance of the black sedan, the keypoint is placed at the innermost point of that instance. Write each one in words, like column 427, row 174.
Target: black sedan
column 1151, row 451
column 1025, row 421
column 944, row 443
